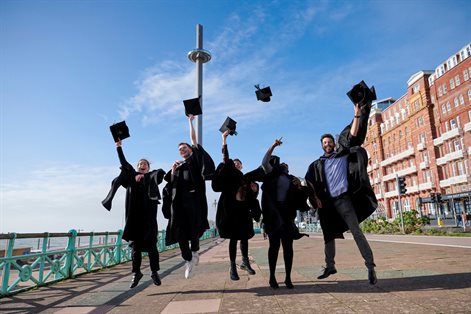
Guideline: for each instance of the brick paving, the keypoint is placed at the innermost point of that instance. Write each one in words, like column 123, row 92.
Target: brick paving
column 412, row 278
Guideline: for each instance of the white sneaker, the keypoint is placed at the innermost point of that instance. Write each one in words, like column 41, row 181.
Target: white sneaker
column 189, row 269
column 196, row 258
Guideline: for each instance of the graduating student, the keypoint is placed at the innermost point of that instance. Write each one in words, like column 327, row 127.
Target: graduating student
column 185, row 205
column 282, row 196
column 237, row 207
column 341, row 190
column 142, row 199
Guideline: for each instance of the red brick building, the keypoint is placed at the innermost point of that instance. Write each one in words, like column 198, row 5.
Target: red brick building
column 424, row 137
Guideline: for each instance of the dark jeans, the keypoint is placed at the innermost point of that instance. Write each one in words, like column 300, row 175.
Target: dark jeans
column 137, row 258
column 185, row 248
column 344, row 206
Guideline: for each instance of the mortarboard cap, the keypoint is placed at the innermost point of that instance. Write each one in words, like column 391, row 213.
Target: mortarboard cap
column 230, row 125
column 120, row 131
column 192, row 106
column 263, row 94
column 362, row 94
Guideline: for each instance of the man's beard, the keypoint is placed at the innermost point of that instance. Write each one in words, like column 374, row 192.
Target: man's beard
column 331, row 149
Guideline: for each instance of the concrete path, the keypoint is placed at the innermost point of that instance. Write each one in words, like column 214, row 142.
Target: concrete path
column 415, row 275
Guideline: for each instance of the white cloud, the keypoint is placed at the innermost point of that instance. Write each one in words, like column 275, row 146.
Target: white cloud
column 58, row 199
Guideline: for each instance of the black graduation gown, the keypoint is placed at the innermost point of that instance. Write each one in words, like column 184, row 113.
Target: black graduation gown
column 278, row 218
column 142, row 199
column 234, row 219
column 185, row 205
column 359, row 187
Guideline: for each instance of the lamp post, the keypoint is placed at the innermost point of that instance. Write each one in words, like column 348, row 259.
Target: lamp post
column 199, row 56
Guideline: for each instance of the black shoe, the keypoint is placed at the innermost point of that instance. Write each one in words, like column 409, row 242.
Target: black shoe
column 372, row 276
column 273, row 283
column 233, row 273
column 326, row 272
column 289, row 284
column 135, row 279
column 156, row 278
column 246, row 266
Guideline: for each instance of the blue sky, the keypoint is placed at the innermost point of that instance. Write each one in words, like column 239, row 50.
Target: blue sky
column 70, row 69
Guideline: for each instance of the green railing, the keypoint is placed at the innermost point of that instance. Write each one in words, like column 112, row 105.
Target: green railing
column 314, row 227
column 61, row 256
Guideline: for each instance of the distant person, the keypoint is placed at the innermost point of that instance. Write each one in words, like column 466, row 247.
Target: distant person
column 341, row 190
column 282, row 195
column 185, row 205
column 237, row 207
column 464, row 219
column 142, row 199
column 459, row 220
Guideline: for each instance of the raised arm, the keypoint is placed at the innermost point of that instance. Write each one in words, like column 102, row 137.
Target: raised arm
column 266, row 159
column 194, row 141
column 356, row 121
column 225, row 151
column 124, row 163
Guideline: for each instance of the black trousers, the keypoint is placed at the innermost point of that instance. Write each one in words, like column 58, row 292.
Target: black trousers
column 137, row 258
column 186, row 250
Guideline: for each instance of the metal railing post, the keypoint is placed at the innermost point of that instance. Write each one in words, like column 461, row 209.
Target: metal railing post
column 69, row 266
column 6, row 269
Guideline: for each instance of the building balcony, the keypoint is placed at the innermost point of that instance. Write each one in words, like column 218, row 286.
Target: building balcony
column 426, row 186
column 389, row 194
column 447, row 135
column 449, row 157
column 369, row 169
column 400, row 173
column 437, row 141
column 420, row 146
column 412, row 189
column 467, row 127
column 454, row 180
column 424, row 165
column 408, row 152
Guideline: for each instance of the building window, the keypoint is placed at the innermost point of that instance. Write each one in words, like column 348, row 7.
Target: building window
column 406, row 205
column 469, row 94
column 443, row 109
column 461, row 99
column 452, row 83
column 457, row 145
column 447, row 128
column 453, row 170
column 448, row 106
column 440, row 93
column 416, row 88
column 457, row 80
column 452, row 124
column 456, row 102
column 444, row 88
column 466, row 74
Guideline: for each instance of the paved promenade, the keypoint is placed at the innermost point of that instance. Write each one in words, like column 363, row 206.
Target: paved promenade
column 413, row 277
